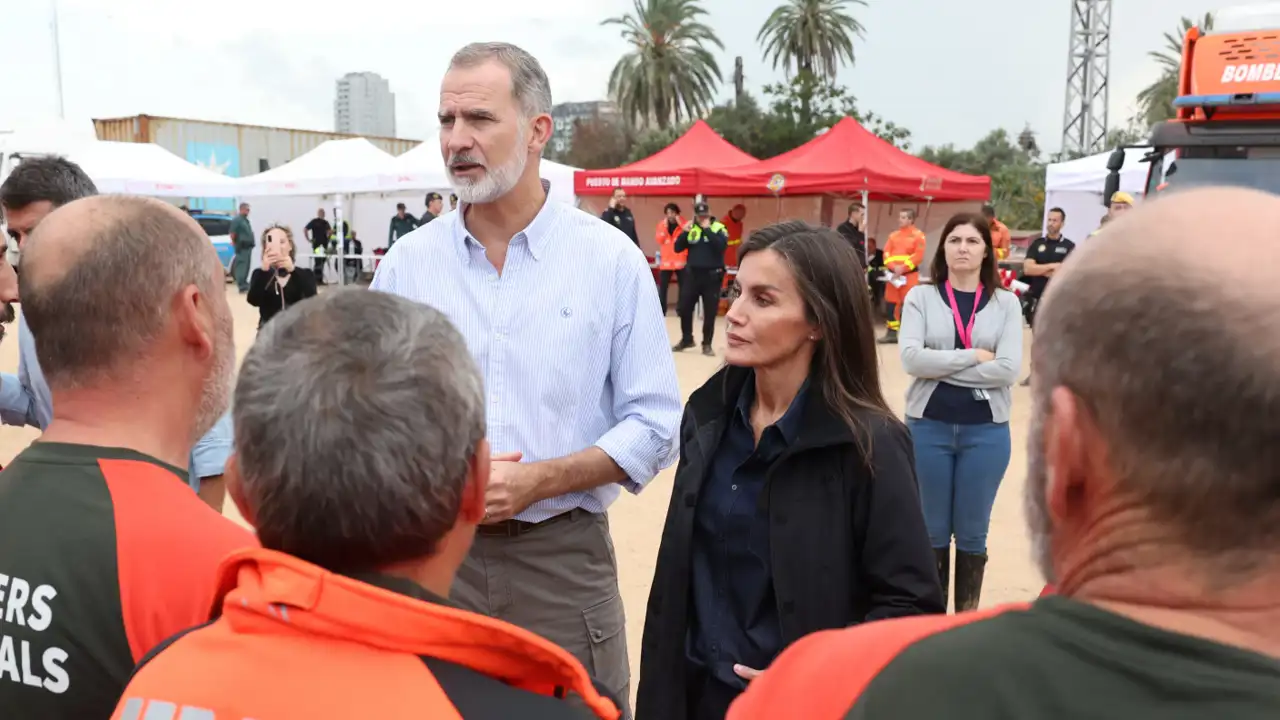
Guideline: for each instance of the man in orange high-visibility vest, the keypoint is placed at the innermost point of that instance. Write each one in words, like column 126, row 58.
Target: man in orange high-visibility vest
column 903, row 256
column 670, row 262
column 1001, row 240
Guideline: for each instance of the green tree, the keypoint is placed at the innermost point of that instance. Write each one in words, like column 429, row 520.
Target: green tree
column 597, row 144
column 1155, row 102
column 1015, row 169
column 654, row 140
column 814, row 36
column 808, row 104
column 670, row 72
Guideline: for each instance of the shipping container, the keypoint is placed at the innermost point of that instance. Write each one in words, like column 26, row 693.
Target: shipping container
column 227, row 148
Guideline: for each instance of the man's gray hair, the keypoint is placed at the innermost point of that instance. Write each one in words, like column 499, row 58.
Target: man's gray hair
column 1181, row 379
column 529, row 82
column 129, row 257
column 357, row 416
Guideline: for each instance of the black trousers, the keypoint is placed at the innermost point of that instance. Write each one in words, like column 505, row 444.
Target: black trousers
column 664, row 283
column 699, row 284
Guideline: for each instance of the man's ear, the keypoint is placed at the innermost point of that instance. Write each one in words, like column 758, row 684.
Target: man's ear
column 473, row 506
column 235, row 488
column 194, row 317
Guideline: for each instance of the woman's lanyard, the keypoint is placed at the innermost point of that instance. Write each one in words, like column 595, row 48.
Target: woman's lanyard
column 965, row 331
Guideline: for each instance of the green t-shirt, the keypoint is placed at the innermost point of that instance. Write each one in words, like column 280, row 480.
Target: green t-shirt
column 1064, row 659
column 241, row 233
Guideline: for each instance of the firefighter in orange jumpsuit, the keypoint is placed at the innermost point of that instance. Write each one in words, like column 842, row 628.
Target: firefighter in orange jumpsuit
column 903, row 256
column 670, row 262
column 1001, row 240
column 733, row 225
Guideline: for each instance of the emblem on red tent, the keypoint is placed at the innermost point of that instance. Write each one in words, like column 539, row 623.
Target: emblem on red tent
column 777, row 182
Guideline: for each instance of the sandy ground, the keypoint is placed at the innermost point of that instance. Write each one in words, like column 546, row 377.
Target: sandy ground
column 637, row 520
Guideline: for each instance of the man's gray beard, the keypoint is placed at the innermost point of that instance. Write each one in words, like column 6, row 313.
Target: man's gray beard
column 1035, row 499
column 497, row 181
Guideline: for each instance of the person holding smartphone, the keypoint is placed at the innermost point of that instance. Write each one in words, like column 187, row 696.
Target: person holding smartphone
column 278, row 283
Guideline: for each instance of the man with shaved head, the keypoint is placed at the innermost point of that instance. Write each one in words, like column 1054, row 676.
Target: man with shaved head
column 1153, row 498
column 33, row 190
column 104, row 550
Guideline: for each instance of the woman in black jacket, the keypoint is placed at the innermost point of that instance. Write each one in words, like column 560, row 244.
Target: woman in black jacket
column 795, row 506
column 278, row 284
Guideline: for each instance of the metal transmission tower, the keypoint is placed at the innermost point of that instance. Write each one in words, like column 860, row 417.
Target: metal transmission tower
column 1084, row 126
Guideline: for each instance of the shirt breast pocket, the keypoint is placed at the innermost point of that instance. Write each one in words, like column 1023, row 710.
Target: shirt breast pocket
column 576, row 343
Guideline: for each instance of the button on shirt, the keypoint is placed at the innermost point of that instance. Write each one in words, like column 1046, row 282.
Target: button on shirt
column 735, row 610
column 25, row 400
column 569, row 338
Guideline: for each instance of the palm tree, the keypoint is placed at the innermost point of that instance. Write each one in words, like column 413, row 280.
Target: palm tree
column 669, row 74
column 813, row 36
column 1155, row 102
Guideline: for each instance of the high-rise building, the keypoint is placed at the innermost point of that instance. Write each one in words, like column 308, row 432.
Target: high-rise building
column 565, row 114
column 364, row 105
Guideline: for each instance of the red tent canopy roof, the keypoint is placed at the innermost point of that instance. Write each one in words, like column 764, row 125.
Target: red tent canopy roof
column 847, row 159
column 673, row 170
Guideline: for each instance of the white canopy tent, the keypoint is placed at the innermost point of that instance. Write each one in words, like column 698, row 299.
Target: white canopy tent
column 339, row 167
column 148, row 169
column 290, row 194
column 1077, row 186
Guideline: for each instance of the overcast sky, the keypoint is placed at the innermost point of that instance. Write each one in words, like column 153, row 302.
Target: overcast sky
column 950, row 70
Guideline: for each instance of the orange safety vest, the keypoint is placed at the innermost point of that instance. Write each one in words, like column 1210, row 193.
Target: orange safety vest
column 668, row 258
column 904, row 247
column 734, row 231
column 295, row 640
column 1001, row 240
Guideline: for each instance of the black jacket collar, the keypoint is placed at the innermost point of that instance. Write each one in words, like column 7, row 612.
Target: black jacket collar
column 400, row 586
column 718, row 397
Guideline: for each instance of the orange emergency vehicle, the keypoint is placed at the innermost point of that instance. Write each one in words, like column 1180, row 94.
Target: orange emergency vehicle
column 1227, row 127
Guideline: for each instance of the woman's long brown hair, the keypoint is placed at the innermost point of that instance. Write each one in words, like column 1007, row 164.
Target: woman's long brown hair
column 837, row 300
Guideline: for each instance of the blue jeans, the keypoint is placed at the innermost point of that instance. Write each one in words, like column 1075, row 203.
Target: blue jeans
column 960, row 468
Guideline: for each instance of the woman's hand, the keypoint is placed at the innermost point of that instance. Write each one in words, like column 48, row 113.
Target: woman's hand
column 268, row 259
column 284, row 261
column 746, row 673
column 985, row 356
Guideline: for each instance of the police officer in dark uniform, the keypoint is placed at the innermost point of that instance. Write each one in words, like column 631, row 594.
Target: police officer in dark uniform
column 619, row 215
column 706, row 239
column 1044, row 257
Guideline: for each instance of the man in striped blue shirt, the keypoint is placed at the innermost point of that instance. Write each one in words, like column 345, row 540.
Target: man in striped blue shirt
column 560, row 311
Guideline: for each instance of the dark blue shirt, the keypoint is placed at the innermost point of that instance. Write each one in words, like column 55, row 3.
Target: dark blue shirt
column 735, row 618
column 953, row 404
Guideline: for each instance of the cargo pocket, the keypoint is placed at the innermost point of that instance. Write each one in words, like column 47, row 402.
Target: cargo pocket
column 609, row 664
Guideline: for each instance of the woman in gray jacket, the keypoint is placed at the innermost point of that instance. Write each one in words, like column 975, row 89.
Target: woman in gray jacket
column 961, row 342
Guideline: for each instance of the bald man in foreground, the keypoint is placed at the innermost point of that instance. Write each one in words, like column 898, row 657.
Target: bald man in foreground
column 104, row 550
column 1153, row 498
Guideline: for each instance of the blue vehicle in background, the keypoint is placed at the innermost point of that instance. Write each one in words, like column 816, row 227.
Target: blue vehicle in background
column 218, row 228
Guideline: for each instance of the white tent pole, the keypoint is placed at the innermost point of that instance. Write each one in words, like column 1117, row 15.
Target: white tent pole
column 342, row 239
column 866, row 215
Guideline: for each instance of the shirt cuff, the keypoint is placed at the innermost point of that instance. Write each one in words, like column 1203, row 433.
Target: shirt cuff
column 638, row 451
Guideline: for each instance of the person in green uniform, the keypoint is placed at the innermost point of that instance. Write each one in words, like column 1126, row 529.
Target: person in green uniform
column 242, row 240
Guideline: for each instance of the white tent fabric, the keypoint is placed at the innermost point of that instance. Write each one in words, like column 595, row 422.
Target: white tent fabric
column 422, row 168
column 148, row 169
column 1077, row 186
column 348, row 166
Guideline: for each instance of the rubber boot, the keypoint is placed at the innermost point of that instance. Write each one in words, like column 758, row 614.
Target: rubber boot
column 943, row 558
column 969, row 571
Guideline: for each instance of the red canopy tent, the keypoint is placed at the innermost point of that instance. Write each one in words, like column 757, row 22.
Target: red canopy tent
column 846, row 160
column 674, row 170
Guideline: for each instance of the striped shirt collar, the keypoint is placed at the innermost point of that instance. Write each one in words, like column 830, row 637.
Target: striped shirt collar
column 536, row 235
